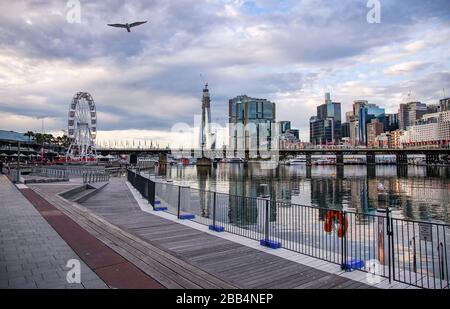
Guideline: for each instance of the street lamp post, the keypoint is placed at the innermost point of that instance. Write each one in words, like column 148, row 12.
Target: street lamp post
column 17, row 174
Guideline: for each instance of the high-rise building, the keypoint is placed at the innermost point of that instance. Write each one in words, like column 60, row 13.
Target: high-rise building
column 354, row 121
column 345, row 130
column 289, row 138
column 391, row 122
column 321, row 130
column 285, row 126
column 357, row 107
column 348, row 116
column 431, row 128
column 252, row 123
column 415, row 111
column 409, row 113
column 444, row 126
column 374, row 128
column 326, row 126
column 354, row 131
column 403, row 117
column 366, row 114
column 433, row 108
column 444, row 105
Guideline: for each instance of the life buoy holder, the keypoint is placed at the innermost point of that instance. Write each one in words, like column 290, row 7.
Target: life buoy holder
column 331, row 218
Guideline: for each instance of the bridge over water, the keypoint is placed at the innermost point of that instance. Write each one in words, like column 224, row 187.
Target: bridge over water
column 432, row 155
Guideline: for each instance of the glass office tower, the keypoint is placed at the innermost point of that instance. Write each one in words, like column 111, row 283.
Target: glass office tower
column 252, row 123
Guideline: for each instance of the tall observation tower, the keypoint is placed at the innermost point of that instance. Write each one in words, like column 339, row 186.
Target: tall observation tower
column 207, row 140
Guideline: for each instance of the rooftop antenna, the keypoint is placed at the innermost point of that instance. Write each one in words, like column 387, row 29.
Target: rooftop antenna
column 203, row 80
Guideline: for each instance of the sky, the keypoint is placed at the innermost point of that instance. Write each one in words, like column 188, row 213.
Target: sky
column 147, row 84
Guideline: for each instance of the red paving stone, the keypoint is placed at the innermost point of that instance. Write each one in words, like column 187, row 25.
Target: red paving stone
column 121, row 276
column 112, row 268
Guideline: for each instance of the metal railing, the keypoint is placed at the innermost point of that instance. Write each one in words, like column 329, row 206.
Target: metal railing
column 66, row 171
column 50, row 172
column 401, row 250
column 94, row 177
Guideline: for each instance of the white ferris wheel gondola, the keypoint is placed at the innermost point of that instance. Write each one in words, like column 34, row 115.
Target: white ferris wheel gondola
column 82, row 127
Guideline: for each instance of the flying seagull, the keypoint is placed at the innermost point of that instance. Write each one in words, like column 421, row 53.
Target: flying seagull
column 127, row 26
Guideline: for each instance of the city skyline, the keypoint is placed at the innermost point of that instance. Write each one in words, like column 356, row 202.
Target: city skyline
column 145, row 83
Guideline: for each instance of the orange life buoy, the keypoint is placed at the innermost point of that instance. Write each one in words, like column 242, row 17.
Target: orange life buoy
column 330, row 218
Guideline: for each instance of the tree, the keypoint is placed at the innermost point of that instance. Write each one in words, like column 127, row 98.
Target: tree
column 30, row 135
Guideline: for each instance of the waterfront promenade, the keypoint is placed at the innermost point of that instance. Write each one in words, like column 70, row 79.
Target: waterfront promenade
column 161, row 252
column 32, row 254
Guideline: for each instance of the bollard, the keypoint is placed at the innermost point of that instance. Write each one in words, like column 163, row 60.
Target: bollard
column 266, row 242
column 214, row 226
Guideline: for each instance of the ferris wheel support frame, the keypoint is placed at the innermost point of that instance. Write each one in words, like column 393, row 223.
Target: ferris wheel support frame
column 82, row 127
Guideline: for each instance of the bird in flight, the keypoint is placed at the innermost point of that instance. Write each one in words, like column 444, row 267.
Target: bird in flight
column 127, row 26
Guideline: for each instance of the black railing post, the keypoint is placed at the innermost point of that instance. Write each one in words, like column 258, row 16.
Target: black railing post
column 179, row 202
column 441, row 258
column 151, row 193
column 267, row 220
column 391, row 254
column 343, row 245
column 414, row 255
column 214, row 210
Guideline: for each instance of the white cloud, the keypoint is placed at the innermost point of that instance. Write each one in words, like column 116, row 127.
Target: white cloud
column 405, row 67
column 289, row 52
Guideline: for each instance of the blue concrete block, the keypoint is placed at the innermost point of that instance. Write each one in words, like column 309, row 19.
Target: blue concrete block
column 160, row 209
column 270, row 244
column 187, row 217
column 353, row 265
column 217, row 228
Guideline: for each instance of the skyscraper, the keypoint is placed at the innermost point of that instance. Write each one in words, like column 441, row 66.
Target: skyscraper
column 444, row 105
column 415, row 112
column 374, row 128
column 409, row 113
column 403, row 117
column 357, row 106
column 346, row 130
column 366, row 114
column 391, row 122
column 326, row 126
column 251, row 123
column 354, row 121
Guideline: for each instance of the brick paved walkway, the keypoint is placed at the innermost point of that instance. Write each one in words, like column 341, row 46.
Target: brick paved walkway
column 32, row 254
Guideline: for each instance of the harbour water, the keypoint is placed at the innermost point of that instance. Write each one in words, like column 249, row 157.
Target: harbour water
column 417, row 193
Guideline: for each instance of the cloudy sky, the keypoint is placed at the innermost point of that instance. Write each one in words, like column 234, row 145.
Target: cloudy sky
column 148, row 81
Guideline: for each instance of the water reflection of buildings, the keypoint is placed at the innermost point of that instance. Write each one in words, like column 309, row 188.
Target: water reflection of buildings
column 415, row 197
column 425, row 198
column 244, row 187
column 204, row 176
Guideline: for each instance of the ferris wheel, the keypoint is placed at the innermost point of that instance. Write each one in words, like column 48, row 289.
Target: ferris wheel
column 82, row 126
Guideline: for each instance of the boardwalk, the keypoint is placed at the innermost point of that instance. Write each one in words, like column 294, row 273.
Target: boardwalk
column 223, row 262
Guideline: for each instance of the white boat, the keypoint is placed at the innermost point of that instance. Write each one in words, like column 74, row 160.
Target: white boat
column 235, row 160
column 297, row 161
column 324, row 162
